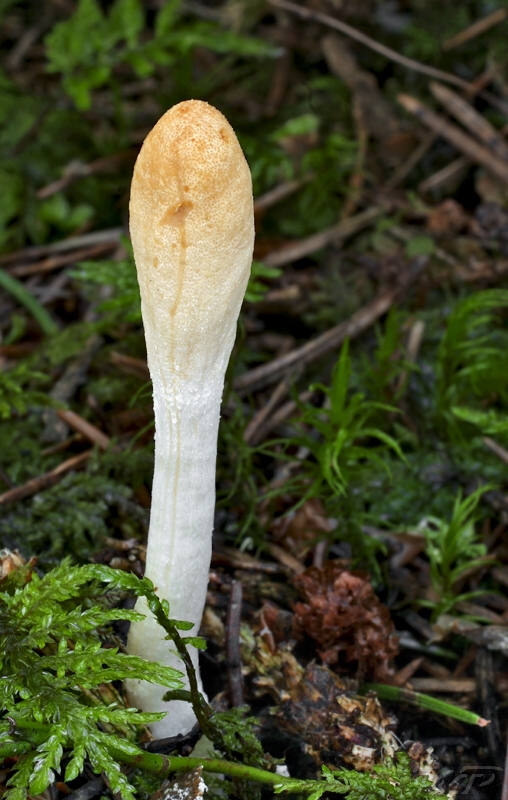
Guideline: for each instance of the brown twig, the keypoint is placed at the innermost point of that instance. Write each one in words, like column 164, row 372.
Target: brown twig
column 76, row 170
column 372, row 44
column 406, row 673
column 456, row 136
column 476, row 29
column 60, row 447
column 282, row 414
column 80, row 425
column 55, row 262
column 357, row 177
column 453, row 685
column 278, row 193
column 401, row 173
column 65, row 388
column 279, row 84
column 452, row 170
column 44, row 481
column 266, row 374
column 233, row 656
column 414, row 341
column 471, row 119
column 256, row 424
column 111, row 235
column 231, row 557
column 286, row 559
column 496, row 448
column 465, row 662
column 336, row 233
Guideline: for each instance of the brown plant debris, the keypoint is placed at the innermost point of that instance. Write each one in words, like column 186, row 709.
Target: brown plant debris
column 341, row 612
column 338, row 730
column 12, row 560
column 299, row 530
column 333, row 726
column 189, row 786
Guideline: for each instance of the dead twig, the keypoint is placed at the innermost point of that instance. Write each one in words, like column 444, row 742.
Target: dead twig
column 279, row 84
column 456, row 136
column 476, row 29
column 55, row 262
column 65, row 388
column 453, row 685
column 231, row 557
column 282, row 414
column 266, row 374
column 234, row 660
column 452, row 171
column 76, row 170
column 286, row 559
column 109, row 236
column 357, row 177
column 471, row 119
column 496, row 448
column 256, row 424
column 278, row 193
column 372, row 44
column 336, row 233
column 406, row 673
column 44, row 481
column 80, row 425
column 401, row 173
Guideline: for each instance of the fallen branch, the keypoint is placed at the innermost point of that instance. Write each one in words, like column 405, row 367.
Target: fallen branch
column 336, row 233
column 44, row 481
column 266, row 374
column 456, row 136
column 372, row 44
column 471, row 119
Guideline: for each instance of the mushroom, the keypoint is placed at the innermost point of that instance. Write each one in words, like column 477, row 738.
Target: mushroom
column 192, row 231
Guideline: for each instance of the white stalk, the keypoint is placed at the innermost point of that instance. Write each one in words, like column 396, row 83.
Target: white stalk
column 192, row 230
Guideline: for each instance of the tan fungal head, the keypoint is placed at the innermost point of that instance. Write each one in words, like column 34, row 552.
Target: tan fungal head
column 192, row 230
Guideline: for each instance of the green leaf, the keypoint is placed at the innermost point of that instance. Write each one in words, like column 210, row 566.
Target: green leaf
column 298, row 126
column 420, row 246
column 128, row 18
column 25, row 298
column 166, row 18
column 488, row 422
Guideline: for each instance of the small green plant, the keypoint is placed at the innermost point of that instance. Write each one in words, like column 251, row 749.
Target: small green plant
column 52, row 660
column 384, row 376
column 18, row 392
column 339, row 436
column 256, row 289
column 387, row 782
column 472, row 365
column 59, row 709
column 88, row 46
column 453, row 549
column 71, row 518
column 120, row 275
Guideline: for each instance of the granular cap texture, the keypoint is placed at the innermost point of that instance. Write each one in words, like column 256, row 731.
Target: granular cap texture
column 191, row 222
